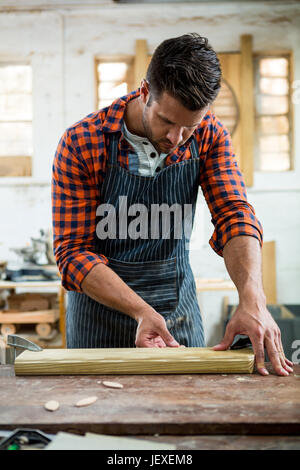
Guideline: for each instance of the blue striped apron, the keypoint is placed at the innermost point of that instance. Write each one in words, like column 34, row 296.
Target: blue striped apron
column 154, row 264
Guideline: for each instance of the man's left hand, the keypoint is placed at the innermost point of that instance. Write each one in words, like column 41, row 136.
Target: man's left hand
column 263, row 332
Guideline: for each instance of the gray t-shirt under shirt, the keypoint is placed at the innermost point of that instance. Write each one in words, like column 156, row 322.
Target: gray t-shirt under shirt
column 149, row 160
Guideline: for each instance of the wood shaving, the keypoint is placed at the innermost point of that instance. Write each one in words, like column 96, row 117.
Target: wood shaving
column 51, row 405
column 112, row 384
column 86, row 401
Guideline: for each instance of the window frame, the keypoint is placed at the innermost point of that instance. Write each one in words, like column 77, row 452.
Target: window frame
column 287, row 54
column 129, row 59
column 9, row 178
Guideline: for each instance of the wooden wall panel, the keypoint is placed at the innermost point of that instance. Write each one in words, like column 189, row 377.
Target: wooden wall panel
column 247, row 109
column 140, row 61
column 269, row 271
column 231, row 64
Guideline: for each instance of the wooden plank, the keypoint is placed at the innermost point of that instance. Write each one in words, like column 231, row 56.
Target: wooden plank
column 133, row 361
column 198, row 404
column 15, row 166
column 269, row 271
column 247, row 109
column 45, row 316
column 140, row 61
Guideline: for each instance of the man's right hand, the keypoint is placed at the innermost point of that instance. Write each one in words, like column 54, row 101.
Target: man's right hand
column 152, row 332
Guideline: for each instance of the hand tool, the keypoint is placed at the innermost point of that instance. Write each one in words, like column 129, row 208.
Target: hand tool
column 241, row 342
column 15, row 345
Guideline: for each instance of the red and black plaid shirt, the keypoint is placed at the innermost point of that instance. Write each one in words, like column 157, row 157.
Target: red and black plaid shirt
column 79, row 170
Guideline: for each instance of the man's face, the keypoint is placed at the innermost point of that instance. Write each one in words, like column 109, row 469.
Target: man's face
column 167, row 123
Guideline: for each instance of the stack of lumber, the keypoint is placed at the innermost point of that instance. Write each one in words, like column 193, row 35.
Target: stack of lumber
column 31, row 301
column 30, row 308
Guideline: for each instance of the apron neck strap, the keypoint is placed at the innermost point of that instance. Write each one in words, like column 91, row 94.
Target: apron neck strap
column 194, row 148
column 113, row 148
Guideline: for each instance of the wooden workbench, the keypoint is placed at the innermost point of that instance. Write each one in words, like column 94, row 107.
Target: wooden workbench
column 192, row 411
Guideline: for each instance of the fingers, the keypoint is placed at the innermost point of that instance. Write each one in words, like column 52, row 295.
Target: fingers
column 227, row 340
column 275, row 357
column 152, row 332
column 165, row 336
column 289, row 363
column 146, row 341
column 276, row 353
column 285, row 363
column 158, row 342
column 259, row 352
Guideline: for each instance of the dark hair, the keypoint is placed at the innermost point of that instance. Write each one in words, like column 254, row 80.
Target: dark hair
column 188, row 69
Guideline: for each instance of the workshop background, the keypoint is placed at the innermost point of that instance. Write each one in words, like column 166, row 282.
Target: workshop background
column 62, row 60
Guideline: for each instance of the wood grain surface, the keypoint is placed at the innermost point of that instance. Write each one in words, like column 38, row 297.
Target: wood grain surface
column 134, row 361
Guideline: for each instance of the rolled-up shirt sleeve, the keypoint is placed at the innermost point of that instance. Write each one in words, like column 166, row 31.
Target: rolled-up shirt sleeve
column 74, row 202
column 224, row 189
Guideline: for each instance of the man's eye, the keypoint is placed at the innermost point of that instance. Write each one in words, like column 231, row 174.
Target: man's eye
column 164, row 120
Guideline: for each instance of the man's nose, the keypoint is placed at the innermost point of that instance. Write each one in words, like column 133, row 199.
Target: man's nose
column 175, row 135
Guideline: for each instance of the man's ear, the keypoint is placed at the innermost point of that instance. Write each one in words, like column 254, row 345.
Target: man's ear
column 144, row 91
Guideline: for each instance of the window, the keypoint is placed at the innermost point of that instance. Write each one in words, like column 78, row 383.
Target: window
column 114, row 79
column 15, row 120
column 273, row 142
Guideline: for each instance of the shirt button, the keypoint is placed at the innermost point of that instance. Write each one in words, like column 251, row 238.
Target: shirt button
column 145, row 143
column 152, row 154
column 157, row 169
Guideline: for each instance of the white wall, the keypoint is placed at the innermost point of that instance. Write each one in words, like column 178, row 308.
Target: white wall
column 61, row 42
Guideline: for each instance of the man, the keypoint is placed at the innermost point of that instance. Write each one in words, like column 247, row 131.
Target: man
column 150, row 150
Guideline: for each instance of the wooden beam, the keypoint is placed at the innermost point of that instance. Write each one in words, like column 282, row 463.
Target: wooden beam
column 247, row 109
column 134, row 361
column 140, row 61
column 269, row 271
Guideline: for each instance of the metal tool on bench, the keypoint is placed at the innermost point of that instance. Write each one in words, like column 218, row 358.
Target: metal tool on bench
column 240, row 342
column 15, row 346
